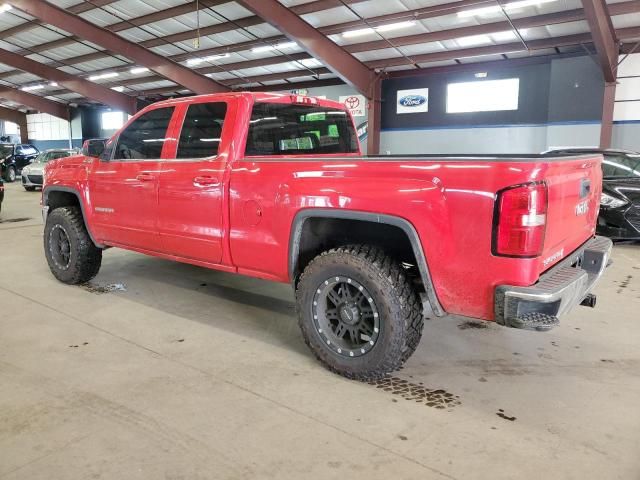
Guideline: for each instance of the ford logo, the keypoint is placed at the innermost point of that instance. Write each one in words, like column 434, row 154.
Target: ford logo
column 412, row 101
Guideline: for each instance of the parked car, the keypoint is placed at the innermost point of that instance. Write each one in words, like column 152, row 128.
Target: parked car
column 13, row 158
column 275, row 187
column 619, row 217
column 32, row 173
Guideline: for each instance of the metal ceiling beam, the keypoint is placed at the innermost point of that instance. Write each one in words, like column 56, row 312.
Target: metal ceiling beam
column 75, row 9
column 74, row 83
column 632, row 6
column 53, row 15
column 127, row 24
column 41, row 104
column 604, row 36
column 346, row 66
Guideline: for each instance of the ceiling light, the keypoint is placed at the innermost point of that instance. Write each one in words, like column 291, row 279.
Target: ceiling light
column 103, row 76
column 525, row 3
column 382, row 28
column 311, row 62
column 53, row 84
column 504, row 36
column 199, row 60
column 138, row 70
column 5, row 7
column 278, row 46
column 497, row 8
column 481, row 75
column 474, row 40
column 29, row 88
column 358, row 33
column 480, row 11
column 119, row 88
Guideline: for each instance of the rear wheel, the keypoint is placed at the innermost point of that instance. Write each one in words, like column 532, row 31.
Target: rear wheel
column 358, row 312
column 71, row 254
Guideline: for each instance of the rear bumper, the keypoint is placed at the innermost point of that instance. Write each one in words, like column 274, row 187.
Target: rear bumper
column 559, row 289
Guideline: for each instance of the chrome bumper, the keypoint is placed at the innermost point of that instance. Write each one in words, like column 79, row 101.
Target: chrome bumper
column 559, row 290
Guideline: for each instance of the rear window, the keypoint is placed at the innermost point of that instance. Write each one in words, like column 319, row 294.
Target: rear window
column 286, row 129
column 202, row 129
column 621, row 165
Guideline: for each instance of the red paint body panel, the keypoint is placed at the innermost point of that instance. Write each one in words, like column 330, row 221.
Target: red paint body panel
column 242, row 221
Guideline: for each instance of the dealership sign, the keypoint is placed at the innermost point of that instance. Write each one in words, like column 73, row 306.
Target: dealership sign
column 413, row 101
column 355, row 103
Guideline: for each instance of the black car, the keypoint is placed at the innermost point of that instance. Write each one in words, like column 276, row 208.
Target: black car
column 14, row 157
column 619, row 216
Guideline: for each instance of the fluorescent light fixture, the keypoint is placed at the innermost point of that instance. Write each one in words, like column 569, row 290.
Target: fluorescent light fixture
column 504, row 36
column 138, row 70
column 119, row 88
column 474, row 40
column 5, row 7
column 481, row 75
column 311, row 62
column 53, row 84
column 278, row 46
column 479, row 12
column 103, row 76
column 199, row 60
column 497, row 9
column 30, row 88
column 382, row 28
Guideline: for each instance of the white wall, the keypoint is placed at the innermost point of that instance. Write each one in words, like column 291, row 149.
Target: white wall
column 626, row 113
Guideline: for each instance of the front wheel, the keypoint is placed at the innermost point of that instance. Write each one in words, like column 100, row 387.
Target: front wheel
column 72, row 256
column 358, row 312
column 10, row 175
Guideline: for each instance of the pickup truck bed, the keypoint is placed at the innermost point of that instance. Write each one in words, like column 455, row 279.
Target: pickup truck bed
column 274, row 186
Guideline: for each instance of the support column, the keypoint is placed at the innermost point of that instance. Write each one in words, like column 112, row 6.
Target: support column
column 374, row 110
column 608, row 102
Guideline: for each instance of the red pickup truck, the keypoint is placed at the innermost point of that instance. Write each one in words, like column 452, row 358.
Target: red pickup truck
column 274, row 186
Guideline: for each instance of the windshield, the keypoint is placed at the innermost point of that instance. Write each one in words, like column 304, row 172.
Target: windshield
column 290, row 129
column 621, row 166
column 5, row 150
column 44, row 157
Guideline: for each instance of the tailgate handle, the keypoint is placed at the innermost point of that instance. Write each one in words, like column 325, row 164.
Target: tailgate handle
column 585, row 187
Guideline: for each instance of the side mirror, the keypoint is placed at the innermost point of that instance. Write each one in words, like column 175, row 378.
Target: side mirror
column 94, row 148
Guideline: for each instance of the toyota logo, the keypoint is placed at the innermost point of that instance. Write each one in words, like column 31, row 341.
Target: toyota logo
column 352, row 102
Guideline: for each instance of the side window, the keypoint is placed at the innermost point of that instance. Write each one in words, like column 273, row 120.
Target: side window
column 29, row 150
column 19, row 150
column 201, row 131
column 144, row 138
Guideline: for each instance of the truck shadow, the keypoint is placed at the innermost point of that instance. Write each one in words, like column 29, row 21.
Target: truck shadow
column 249, row 307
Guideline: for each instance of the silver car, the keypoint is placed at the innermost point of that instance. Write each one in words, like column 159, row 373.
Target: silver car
column 32, row 173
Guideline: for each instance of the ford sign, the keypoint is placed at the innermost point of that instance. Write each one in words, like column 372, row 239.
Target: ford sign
column 412, row 101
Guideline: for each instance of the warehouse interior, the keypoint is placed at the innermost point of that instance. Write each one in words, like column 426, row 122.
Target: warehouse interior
column 163, row 369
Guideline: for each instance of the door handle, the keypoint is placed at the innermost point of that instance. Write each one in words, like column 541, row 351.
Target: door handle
column 205, row 181
column 145, row 177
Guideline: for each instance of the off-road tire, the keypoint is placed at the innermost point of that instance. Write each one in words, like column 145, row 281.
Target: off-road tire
column 10, row 175
column 395, row 298
column 84, row 259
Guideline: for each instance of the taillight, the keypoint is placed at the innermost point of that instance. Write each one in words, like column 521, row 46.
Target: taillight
column 520, row 220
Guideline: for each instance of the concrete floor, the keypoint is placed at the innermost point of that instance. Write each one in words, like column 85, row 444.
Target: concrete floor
column 196, row 374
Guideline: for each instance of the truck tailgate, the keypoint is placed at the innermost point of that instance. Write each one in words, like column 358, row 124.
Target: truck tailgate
column 574, row 188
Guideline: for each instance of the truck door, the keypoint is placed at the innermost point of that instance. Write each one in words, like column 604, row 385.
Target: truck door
column 124, row 185
column 190, row 213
